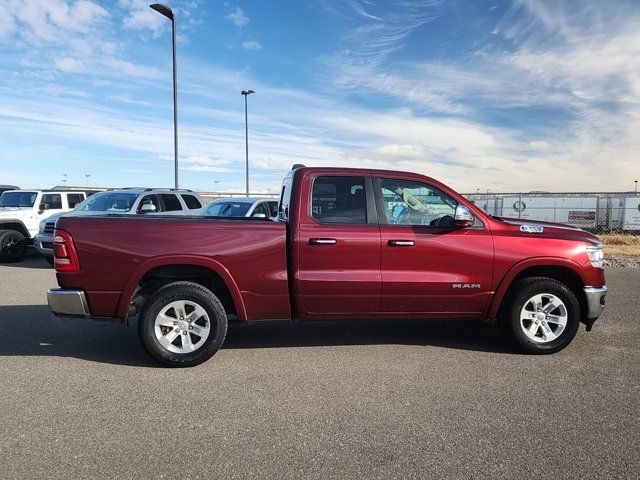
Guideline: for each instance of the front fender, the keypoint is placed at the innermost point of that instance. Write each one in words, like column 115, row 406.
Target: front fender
column 195, row 260
column 15, row 224
column 515, row 270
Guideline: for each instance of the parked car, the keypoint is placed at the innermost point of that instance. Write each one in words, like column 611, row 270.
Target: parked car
column 4, row 188
column 347, row 244
column 132, row 201
column 21, row 211
column 241, row 207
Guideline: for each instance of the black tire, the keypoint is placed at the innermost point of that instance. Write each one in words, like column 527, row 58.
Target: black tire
column 518, row 296
column 190, row 292
column 13, row 246
column 49, row 259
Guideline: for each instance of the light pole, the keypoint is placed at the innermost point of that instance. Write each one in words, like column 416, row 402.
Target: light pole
column 636, row 182
column 87, row 175
column 167, row 12
column 246, row 93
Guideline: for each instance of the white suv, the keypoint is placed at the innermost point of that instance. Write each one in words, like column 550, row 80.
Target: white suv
column 149, row 201
column 21, row 211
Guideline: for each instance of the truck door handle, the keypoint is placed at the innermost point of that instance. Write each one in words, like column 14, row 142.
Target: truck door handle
column 322, row 241
column 401, row 243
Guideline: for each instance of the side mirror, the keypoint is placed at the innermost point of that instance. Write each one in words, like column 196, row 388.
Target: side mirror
column 259, row 215
column 463, row 217
column 43, row 207
column 148, row 208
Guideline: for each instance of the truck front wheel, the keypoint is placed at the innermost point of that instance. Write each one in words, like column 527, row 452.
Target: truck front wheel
column 13, row 246
column 541, row 315
column 182, row 324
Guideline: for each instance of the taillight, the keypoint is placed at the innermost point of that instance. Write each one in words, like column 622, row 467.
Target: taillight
column 64, row 252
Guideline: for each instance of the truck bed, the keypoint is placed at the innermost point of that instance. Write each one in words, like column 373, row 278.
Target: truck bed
column 116, row 250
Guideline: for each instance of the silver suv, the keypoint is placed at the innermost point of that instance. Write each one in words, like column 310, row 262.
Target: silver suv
column 144, row 201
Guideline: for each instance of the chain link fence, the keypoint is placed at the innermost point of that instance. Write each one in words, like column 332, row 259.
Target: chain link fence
column 600, row 212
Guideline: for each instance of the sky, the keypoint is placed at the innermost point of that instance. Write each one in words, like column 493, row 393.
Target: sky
column 490, row 95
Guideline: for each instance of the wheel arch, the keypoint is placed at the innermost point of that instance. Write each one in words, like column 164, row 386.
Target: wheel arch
column 160, row 271
column 563, row 270
column 16, row 225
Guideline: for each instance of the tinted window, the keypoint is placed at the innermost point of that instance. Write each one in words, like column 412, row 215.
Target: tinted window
column 191, row 201
column 227, row 209
column 171, row 202
column 413, row 203
column 53, row 199
column 339, row 200
column 74, row 199
column 108, row 202
column 149, row 200
column 18, row 199
column 273, row 209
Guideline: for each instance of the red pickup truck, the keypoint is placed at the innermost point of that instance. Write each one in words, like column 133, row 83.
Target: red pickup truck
column 347, row 244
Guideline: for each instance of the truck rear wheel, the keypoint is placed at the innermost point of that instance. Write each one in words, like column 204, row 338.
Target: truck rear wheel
column 13, row 246
column 182, row 324
column 541, row 315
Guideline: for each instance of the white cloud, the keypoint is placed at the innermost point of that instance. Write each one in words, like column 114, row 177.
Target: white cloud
column 146, row 19
column 238, row 17
column 7, row 25
column 251, row 45
column 69, row 65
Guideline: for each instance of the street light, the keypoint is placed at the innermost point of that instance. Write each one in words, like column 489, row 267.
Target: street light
column 246, row 93
column 167, row 12
column 87, row 175
column 636, row 182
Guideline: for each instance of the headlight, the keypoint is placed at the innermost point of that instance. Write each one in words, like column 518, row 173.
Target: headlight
column 42, row 224
column 596, row 255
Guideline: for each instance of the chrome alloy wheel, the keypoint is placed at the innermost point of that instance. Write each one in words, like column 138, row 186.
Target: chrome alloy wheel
column 182, row 326
column 543, row 318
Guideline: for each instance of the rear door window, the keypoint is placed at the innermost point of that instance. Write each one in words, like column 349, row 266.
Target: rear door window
column 191, row 201
column 339, row 200
column 74, row 199
column 171, row 202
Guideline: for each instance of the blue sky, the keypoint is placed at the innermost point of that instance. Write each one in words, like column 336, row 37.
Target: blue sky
column 498, row 95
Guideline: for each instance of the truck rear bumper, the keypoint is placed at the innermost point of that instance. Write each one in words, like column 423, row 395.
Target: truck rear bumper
column 68, row 303
column 595, row 301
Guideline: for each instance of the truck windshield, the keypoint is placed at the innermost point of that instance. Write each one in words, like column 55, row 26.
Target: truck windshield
column 18, row 199
column 226, row 209
column 108, row 202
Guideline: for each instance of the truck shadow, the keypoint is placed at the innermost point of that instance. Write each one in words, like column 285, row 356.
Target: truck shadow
column 32, row 330
column 447, row 333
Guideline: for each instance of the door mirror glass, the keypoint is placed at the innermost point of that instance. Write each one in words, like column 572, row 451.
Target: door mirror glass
column 148, row 208
column 463, row 217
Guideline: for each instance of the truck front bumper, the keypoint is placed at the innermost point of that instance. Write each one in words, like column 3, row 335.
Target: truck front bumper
column 595, row 301
column 44, row 244
column 68, row 303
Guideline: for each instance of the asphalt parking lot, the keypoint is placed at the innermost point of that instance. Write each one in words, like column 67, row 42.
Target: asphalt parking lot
column 432, row 399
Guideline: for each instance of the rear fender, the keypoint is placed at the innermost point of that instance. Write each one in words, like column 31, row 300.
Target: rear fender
column 217, row 267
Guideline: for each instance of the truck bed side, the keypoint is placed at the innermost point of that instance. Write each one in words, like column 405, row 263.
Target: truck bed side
column 116, row 252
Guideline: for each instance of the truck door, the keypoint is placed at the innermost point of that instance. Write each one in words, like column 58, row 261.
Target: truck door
column 338, row 248
column 430, row 266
